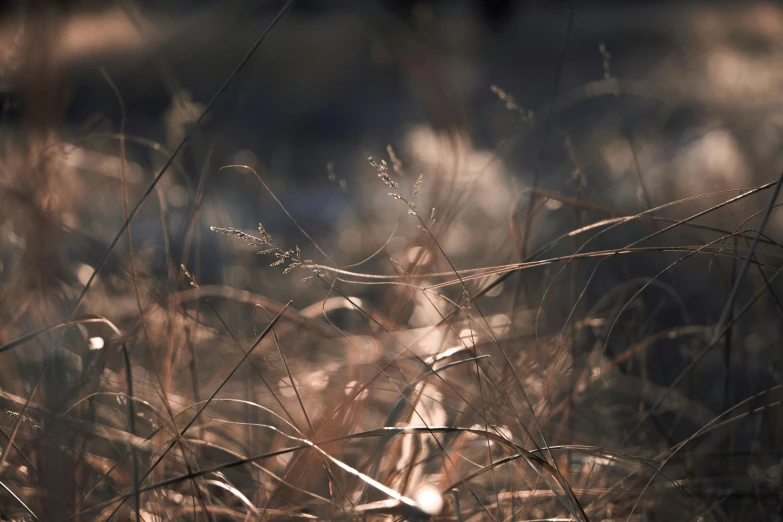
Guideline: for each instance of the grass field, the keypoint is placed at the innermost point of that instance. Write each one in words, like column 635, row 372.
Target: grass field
column 481, row 299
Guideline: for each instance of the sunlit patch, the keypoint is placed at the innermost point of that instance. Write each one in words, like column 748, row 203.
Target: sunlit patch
column 174, row 496
column 734, row 76
column 96, row 343
column 468, row 337
column 83, row 273
column 104, row 164
column 714, row 162
column 318, row 380
column 474, row 170
column 724, row 66
column 14, row 239
column 352, row 387
column 69, row 220
column 504, row 431
column 429, row 500
column 418, row 255
column 149, row 517
column 553, row 204
column 499, row 321
column 111, row 30
column 351, row 303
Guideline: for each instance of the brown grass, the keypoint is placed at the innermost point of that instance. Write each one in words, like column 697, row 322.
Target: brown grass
column 559, row 358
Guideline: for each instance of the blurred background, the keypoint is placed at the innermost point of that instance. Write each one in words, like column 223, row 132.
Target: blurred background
column 507, row 124
column 683, row 95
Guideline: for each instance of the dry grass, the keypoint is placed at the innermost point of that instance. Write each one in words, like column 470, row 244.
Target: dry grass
column 457, row 348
